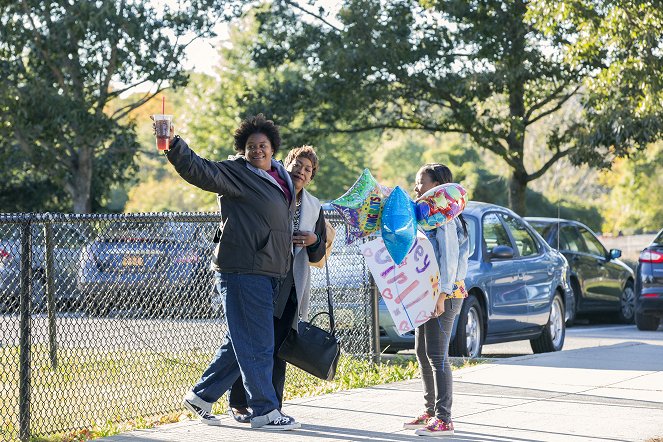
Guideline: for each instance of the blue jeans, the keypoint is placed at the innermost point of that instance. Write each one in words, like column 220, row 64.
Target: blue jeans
column 431, row 344
column 249, row 348
column 282, row 325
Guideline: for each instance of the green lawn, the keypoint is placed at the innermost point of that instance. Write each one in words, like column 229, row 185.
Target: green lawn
column 95, row 394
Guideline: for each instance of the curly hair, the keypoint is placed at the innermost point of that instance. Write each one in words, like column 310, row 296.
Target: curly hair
column 303, row 152
column 253, row 125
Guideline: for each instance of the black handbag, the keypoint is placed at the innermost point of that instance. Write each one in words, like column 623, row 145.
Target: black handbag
column 311, row 348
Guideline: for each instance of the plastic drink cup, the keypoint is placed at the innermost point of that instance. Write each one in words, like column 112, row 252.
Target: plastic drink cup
column 162, row 125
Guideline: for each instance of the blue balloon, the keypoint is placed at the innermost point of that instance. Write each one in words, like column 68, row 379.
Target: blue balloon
column 399, row 224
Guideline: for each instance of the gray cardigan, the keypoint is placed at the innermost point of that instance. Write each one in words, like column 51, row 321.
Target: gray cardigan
column 311, row 219
column 256, row 226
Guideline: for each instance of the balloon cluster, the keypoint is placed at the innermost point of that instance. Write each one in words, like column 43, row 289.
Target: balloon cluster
column 369, row 208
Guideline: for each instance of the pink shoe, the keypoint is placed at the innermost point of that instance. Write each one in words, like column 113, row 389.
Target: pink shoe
column 417, row 422
column 436, row 428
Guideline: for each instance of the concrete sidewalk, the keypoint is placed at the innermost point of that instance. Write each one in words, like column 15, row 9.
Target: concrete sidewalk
column 609, row 393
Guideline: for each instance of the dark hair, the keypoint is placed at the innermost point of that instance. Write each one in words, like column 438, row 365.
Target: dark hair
column 442, row 174
column 304, row 152
column 257, row 124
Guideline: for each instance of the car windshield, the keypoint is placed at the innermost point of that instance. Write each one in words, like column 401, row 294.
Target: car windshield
column 659, row 238
column 149, row 232
column 543, row 229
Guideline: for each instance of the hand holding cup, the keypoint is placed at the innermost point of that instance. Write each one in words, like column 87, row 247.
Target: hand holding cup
column 163, row 130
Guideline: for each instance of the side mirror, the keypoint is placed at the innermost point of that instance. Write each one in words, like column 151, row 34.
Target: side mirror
column 501, row 252
column 615, row 253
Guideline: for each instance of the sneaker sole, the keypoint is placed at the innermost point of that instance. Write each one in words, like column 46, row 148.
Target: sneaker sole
column 268, row 427
column 212, row 423
column 413, row 426
column 434, row 433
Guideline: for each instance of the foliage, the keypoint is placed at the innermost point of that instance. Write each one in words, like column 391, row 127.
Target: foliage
column 169, row 194
column 63, row 62
column 239, row 91
column 489, row 70
column 635, row 202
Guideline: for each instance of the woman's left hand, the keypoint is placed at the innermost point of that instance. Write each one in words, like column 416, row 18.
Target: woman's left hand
column 439, row 305
column 304, row 239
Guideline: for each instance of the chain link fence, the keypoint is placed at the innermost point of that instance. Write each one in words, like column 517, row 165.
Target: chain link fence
column 114, row 317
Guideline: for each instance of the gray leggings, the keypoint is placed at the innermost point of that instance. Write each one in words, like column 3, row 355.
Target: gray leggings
column 432, row 347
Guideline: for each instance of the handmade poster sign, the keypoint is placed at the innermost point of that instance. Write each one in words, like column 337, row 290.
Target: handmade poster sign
column 409, row 289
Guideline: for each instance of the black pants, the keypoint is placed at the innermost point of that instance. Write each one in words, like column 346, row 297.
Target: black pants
column 237, row 397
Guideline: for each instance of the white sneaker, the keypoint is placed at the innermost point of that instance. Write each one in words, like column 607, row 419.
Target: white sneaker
column 278, row 422
column 205, row 417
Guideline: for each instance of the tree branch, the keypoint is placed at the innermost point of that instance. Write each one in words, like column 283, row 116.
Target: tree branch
column 38, row 42
column 123, row 111
column 295, row 5
column 553, row 96
column 559, row 154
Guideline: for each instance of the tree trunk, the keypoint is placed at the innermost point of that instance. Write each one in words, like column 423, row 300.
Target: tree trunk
column 517, row 192
column 81, row 182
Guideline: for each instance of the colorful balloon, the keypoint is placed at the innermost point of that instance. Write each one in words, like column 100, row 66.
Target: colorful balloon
column 399, row 224
column 440, row 205
column 361, row 206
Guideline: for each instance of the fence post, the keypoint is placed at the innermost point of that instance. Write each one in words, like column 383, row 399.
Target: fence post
column 24, row 332
column 50, row 295
column 375, row 321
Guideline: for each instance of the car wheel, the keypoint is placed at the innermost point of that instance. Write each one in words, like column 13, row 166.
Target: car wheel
column 646, row 322
column 552, row 338
column 626, row 313
column 469, row 333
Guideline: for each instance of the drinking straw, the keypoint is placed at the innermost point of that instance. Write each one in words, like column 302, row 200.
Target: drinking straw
column 163, row 104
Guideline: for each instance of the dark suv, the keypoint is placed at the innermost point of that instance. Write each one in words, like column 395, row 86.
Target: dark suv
column 649, row 286
column 601, row 282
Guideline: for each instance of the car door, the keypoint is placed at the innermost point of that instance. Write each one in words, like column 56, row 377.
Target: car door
column 607, row 288
column 583, row 265
column 507, row 299
column 534, row 270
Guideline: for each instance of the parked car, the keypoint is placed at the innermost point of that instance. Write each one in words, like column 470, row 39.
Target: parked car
column 67, row 241
column 649, row 286
column 518, row 287
column 600, row 281
column 148, row 269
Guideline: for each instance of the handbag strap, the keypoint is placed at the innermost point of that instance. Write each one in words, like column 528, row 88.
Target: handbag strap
column 329, row 299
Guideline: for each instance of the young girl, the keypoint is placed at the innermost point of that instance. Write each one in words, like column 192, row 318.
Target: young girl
column 451, row 246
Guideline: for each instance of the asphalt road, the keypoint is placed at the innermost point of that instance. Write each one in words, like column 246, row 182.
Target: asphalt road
column 581, row 336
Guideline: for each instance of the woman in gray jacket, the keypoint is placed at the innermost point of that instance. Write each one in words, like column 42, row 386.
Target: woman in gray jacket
column 308, row 242
column 253, row 256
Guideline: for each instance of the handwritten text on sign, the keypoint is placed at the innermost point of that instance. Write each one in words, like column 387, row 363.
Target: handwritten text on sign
column 409, row 289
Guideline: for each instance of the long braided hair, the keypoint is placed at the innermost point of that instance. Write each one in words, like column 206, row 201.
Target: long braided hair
column 442, row 174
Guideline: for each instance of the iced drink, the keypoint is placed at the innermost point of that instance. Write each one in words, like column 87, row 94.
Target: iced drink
column 162, row 125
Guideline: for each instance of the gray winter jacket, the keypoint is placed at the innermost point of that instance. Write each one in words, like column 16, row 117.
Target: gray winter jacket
column 256, row 226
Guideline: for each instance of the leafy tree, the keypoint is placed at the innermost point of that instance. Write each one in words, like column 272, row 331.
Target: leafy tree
column 487, row 69
column 635, row 201
column 63, row 63
column 215, row 106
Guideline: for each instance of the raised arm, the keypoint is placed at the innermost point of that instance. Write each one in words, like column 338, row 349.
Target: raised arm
column 208, row 175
